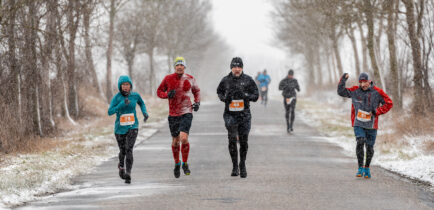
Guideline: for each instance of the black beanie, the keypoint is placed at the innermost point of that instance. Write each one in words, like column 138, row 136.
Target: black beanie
column 363, row 76
column 236, row 62
column 291, row 72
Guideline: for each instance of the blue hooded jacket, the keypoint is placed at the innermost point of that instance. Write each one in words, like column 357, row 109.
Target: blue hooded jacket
column 118, row 106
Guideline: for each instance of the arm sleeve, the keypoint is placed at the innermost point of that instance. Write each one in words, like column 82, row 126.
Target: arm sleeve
column 221, row 91
column 114, row 108
column 196, row 91
column 142, row 105
column 388, row 103
column 342, row 91
column 281, row 85
column 253, row 94
column 161, row 90
column 297, row 87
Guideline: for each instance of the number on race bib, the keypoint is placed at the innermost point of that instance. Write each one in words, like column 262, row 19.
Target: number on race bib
column 127, row 119
column 236, row 105
column 363, row 116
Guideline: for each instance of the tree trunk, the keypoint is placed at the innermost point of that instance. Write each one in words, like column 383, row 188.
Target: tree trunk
column 88, row 9
column 337, row 56
column 13, row 66
column 319, row 68
column 364, row 49
column 329, row 68
column 355, row 50
column 370, row 23
column 73, row 19
column 391, row 31
column 419, row 100
column 112, row 12
column 151, row 71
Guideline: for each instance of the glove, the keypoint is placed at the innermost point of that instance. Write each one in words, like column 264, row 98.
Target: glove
column 196, row 106
column 171, row 94
column 374, row 112
column 345, row 76
column 126, row 101
column 238, row 95
column 146, row 116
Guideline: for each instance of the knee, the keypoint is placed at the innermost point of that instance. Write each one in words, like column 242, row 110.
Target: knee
column 243, row 139
column 370, row 149
column 361, row 140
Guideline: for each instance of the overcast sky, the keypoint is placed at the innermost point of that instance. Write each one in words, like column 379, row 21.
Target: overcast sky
column 247, row 27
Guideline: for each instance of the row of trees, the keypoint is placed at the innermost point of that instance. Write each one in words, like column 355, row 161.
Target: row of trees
column 391, row 39
column 47, row 61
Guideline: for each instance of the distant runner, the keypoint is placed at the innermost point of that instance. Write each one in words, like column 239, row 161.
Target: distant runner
column 368, row 103
column 177, row 87
column 288, row 86
column 264, row 80
column 123, row 104
column 236, row 90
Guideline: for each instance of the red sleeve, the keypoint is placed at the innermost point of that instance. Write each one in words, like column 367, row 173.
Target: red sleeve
column 388, row 104
column 353, row 88
column 161, row 91
column 196, row 91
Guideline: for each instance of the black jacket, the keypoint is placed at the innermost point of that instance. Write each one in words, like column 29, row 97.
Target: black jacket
column 289, row 86
column 233, row 88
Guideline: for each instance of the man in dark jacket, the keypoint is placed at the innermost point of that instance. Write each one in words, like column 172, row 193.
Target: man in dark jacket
column 288, row 87
column 236, row 90
column 368, row 103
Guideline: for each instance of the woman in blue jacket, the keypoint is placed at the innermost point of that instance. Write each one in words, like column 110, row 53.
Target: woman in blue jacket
column 123, row 104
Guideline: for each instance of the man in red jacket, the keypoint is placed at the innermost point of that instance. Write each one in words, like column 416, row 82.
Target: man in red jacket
column 177, row 87
column 368, row 103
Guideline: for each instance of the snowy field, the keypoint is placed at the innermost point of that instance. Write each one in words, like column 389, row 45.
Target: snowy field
column 32, row 176
column 407, row 155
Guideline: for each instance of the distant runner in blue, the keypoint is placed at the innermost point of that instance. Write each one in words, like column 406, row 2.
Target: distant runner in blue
column 264, row 80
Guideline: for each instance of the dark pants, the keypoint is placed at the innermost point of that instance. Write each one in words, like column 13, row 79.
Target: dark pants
column 126, row 144
column 365, row 137
column 264, row 96
column 238, row 126
column 289, row 112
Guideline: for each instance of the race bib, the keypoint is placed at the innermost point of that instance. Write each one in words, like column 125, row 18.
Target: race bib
column 236, row 105
column 363, row 116
column 264, row 88
column 289, row 100
column 127, row 119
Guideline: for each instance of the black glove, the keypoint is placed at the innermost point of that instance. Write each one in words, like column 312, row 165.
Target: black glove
column 146, row 116
column 196, row 106
column 374, row 112
column 345, row 76
column 171, row 93
column 238, row 95
column 127, row 101
column 228, row 96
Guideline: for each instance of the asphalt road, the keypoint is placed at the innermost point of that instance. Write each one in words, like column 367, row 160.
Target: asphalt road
column 297, row 171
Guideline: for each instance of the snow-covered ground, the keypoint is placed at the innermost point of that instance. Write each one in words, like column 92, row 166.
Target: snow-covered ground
column 28, row 177
column 407, row 155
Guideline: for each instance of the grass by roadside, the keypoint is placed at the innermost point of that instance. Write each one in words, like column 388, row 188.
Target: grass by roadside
column 50, row 163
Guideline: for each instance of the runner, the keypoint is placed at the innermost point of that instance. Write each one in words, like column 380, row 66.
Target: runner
column 264, row 80
column 236, row 90
column 288, row 86
column 177, row 87
column 368, row 103
column 126, row 124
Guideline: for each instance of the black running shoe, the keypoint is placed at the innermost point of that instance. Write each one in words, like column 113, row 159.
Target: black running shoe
column 121, row 171
column 127, row 178
column 177, row 170
column 186, row 169
column 243, row 170
column 235, row 171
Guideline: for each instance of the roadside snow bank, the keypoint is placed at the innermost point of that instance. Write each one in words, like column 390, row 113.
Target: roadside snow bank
column 28, row 177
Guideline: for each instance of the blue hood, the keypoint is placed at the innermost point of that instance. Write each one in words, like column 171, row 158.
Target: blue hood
column 122, row 79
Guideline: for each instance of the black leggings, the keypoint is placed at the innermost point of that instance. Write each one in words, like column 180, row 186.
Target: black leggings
column 289, row 110
column 361, row 143
column 126, row 144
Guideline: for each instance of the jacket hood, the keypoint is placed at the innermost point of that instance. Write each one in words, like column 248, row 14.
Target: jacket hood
column 122, row 79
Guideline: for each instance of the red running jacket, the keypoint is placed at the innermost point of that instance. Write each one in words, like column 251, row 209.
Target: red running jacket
column 184, row 85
